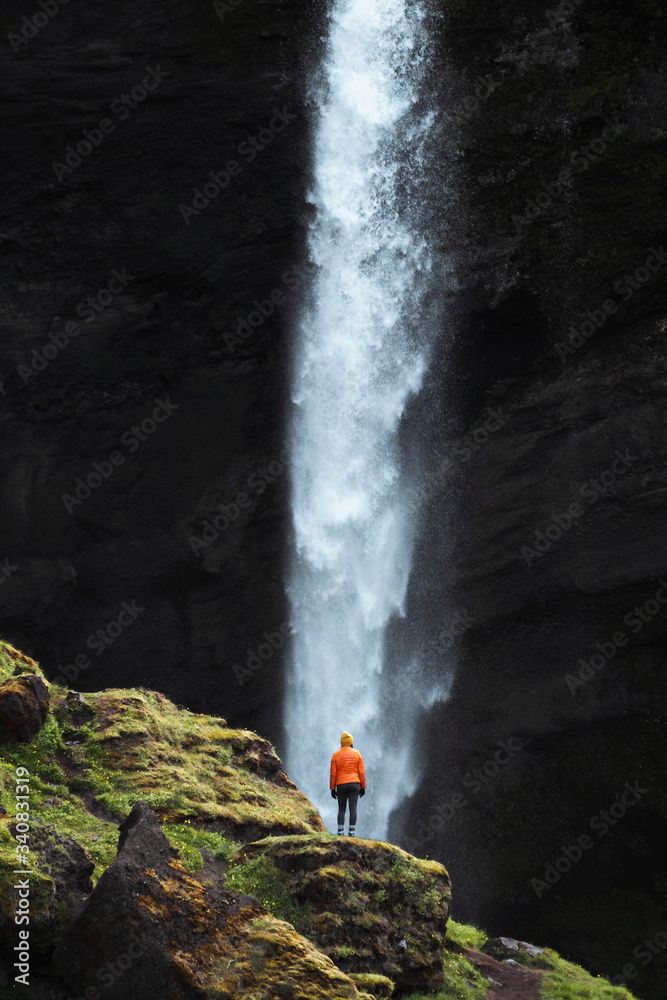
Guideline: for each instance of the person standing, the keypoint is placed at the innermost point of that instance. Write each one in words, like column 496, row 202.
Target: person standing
column 347, row 782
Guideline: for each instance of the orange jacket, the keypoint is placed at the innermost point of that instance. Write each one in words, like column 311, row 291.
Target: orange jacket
column 347, row 764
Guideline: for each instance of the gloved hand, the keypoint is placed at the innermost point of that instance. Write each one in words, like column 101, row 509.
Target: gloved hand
column 362, row 792
column 333, row 793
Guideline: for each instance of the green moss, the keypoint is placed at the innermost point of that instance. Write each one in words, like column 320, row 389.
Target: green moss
column 134, row 745
column 405, row 881
column 570, row 982
column 342, row 951
column 465, row 936
column 42, row 886
column 12, row 659
column 378, row 986
column 272, row 888
column 193, row 843
column 567, row 981
column 462, row 981
column 37, row 756
column 520, row 955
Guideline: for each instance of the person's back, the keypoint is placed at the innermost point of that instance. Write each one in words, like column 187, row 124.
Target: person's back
column 347, row 781
column 349, row 765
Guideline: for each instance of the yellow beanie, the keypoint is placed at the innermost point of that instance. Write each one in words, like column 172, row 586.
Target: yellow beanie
column 346, row 740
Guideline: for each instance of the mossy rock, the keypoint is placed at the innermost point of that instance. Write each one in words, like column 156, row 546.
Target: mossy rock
column 150, row 929
column 378, row 986
column 59, row 882
column 14, row 662
column 371, row 906
column 24, row 706
column 42, row 885
column 188, row 767
column 98, row 753
column 519, row 951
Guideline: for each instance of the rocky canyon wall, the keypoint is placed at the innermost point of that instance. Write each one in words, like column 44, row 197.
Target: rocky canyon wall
column 545, row 546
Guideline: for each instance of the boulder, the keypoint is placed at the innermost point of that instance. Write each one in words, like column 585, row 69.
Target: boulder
column 506, row 949
column 24, row 706
column 150, row 930
column 371, row 907
column 60, row 882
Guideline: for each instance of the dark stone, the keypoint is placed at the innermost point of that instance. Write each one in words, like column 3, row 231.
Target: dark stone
column 24, row 706
column 149, row 929
column 123, row 919
column 53, row 906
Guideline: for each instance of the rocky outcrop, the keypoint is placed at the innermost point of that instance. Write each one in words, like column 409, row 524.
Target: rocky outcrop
column 149, row 929
column 24, row 706
column 161, row 912
column 189, row 767
column 58, row 884
column 370, row 906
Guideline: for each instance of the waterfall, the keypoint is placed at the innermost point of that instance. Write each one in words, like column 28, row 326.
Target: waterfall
column 361, row 349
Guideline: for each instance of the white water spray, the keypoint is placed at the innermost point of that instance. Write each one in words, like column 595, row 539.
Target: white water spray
column 361, row 352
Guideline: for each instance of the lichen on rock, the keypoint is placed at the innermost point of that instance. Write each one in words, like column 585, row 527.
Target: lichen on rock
column 369, row 905
column 150, row 929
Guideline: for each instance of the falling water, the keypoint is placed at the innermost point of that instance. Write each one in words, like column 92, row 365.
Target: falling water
column 361, row 352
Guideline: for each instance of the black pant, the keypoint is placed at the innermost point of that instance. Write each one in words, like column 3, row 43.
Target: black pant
column 348, row 793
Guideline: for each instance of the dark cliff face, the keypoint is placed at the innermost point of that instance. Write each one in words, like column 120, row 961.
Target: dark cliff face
column 545, row 531
column 178, row 346
column 145, row 332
